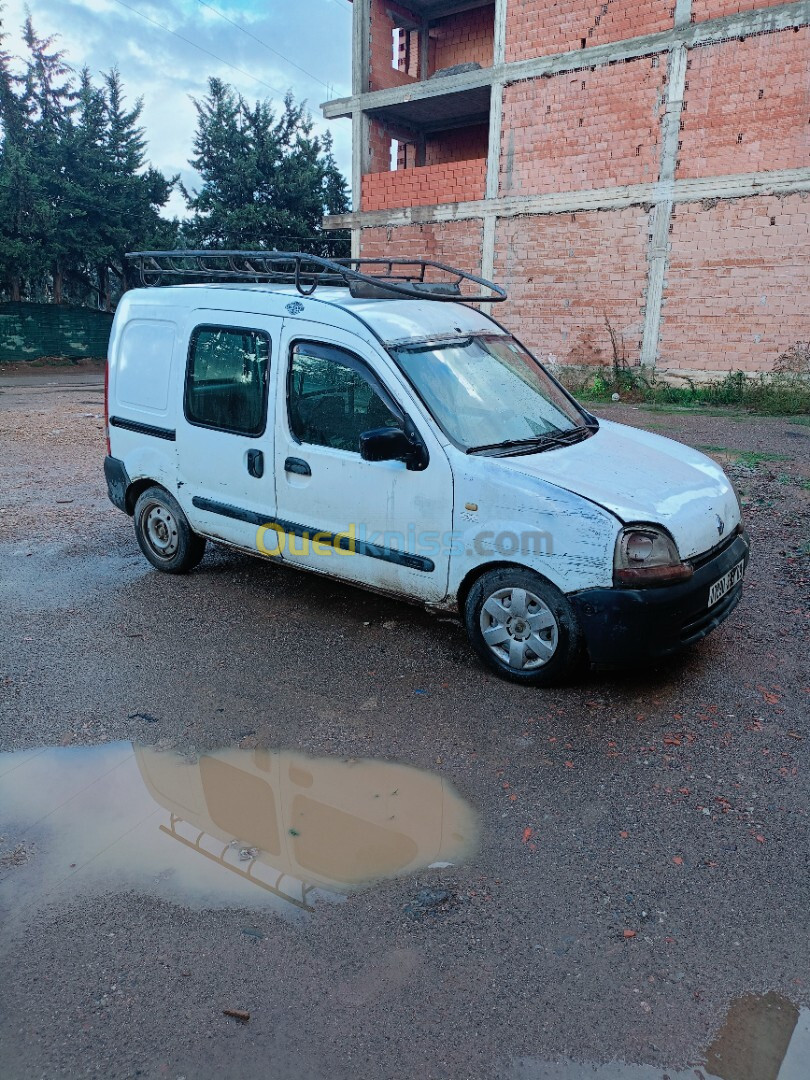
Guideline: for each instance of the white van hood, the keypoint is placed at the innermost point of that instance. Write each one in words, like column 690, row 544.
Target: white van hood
column 642, row 477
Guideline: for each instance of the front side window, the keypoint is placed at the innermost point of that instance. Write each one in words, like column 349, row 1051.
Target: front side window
column 226, row 384
column 334, row 399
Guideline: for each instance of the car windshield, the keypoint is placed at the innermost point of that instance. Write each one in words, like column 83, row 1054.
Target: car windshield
column 488, row 393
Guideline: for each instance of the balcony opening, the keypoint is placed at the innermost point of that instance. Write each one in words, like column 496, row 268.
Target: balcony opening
column 428, row 151
column 460, row 41
column 423, row 39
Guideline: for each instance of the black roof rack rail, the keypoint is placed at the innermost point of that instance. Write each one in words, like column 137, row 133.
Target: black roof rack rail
column 388, row 279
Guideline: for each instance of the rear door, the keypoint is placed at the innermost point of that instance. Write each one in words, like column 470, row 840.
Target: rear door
column 225, row 433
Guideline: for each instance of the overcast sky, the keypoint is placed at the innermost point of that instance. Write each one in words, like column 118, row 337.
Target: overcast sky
column 167, row 71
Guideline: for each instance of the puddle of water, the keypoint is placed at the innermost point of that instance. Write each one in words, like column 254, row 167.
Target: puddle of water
column 764, row 1037
column 233, row 828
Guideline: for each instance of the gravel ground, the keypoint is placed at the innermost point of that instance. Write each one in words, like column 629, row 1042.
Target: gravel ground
column 644, row 841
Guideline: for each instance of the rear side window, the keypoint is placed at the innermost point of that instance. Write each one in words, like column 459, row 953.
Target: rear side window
column 334, row 398
column 226, row 382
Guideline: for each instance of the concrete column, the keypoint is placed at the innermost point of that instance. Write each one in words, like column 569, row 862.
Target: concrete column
column 424, row 48
column 488, row 253
column 361, row 44
column 494, row 141
column 361, row 29
column 499, row 44
column 494, row 145
column 658, row 252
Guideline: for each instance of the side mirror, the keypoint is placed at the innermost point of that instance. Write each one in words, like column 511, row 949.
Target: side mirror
column 394, row 444
column 385, row 444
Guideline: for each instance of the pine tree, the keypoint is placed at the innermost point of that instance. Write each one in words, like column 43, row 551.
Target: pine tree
column 49, row 99
column 133, row 192
column 266, row 180
column 21, row 205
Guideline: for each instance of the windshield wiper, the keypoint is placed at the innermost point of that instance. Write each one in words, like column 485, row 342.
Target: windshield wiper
column 538, row 442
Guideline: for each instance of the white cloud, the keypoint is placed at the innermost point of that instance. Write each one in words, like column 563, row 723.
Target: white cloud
column 167, row 71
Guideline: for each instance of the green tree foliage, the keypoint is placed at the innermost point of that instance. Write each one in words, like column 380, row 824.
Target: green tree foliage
column 76, row 192
column 267, row 180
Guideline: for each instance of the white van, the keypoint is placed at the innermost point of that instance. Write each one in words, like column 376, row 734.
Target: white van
column 364, row 423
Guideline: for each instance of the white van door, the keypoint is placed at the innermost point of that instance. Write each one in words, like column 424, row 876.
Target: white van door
column 226, row 426
column 373, row 522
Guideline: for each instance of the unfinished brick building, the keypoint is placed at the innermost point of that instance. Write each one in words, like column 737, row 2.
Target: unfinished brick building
column 636, row 174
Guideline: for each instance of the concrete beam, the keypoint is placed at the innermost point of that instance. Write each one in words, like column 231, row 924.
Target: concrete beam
column 694, row 189
column 441, row 8
column 742, row 24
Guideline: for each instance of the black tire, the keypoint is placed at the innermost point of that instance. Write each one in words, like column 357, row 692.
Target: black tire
column 164, row 534
column 546, row 621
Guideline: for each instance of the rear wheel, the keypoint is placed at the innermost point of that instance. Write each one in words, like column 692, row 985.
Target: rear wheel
column 523, row 627
column 164, row 534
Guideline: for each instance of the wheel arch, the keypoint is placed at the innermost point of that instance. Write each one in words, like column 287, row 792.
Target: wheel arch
column 137, row 488
column 478, row 571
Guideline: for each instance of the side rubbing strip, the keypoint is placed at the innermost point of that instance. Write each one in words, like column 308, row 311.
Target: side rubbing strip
column 143, row 429
column 342, row 541
column 235, row 512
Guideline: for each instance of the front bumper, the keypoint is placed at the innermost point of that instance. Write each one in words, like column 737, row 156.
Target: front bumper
column 631, row 624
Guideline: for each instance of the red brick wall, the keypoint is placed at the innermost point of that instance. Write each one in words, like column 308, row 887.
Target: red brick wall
column 566, row 274
column 713, row 9
column 382, row 73
column 737, row 285
column 541, row 27
column 462, row 39
column 460, row 144
column 457, row 243
column 723, row 102
column 379, row 146
column 409, row 52
column 456, row 181
column 561, row 135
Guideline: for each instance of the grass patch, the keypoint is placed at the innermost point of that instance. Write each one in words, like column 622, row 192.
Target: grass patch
column 751, row 458
column 781, row 394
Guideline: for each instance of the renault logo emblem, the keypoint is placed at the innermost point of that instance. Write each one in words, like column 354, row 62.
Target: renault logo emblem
column 721, row 525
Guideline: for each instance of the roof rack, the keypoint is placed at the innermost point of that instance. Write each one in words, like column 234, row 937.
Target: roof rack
column 388, row 279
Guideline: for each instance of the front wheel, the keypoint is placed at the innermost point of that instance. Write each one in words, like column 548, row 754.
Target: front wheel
column 522, row 627
column 164, row 534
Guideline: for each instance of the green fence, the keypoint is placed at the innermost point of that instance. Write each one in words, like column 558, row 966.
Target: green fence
column 29, row 331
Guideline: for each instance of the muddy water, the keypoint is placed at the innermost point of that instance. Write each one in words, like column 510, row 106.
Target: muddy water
column 764, row 1037
column 247, row 828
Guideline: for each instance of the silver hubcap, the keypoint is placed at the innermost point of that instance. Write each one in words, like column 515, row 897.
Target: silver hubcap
column 519, row 628
column 160, row 530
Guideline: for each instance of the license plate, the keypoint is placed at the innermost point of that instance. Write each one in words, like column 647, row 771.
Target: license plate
column 726, row 583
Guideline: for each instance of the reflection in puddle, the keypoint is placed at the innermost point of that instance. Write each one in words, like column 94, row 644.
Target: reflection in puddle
column 231, row 828
column 763, row 1038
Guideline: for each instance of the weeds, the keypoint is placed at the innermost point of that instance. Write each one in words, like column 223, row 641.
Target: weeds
column 749, row 458
column 779, row 394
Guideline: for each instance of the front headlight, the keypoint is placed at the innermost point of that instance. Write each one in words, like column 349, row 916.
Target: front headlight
column 646, row 555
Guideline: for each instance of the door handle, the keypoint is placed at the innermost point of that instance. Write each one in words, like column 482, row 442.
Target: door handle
column 297, row 465
column 255, row 463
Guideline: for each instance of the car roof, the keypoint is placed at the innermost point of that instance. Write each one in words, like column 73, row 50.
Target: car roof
column 392, row 321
